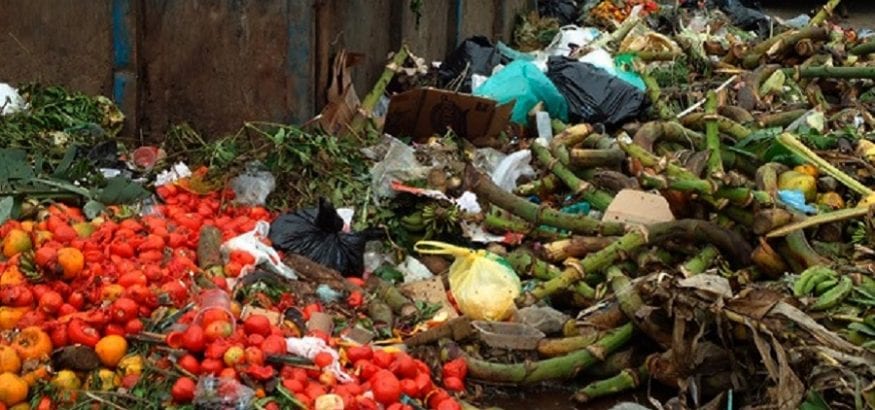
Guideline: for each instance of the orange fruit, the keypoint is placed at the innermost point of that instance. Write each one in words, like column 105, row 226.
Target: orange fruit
column 110, row 349
column 9, row 316
column 112, row 292
column 9, row 360
column 35, row 376
column 12, row 276
column 32, row 343
column 72, row 261
column 13, row 389
column 15, row 242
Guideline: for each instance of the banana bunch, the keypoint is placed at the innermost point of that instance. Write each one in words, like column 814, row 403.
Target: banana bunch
column 433, row 220
column 413, row 222
column 830, row 288
column 863, row 333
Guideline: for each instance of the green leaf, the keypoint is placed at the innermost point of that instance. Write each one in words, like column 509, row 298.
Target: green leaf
column 6, row 205
column 862, row 328
column 13, row 165
column 93, row 209
column 121, row 190
column 65, row 186
column 814, row 401
column 66, row 163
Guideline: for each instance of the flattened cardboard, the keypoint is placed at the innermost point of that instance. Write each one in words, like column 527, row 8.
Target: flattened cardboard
column 432, row 291
column 423, row 112
column 636, row 207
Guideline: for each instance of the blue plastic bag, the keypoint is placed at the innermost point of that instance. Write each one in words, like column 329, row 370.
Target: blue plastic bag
column 796, row 200
column 523, row 82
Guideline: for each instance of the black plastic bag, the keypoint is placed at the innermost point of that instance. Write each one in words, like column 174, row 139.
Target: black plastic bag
column 476, row 55
column 746, row 14
column 566, row 11
column 593, row 94
column 317, row 233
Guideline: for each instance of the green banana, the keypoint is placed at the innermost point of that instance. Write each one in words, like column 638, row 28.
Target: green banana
column 413, row 222
column 868, row 284
column 809, row 279
column 834, row 296
column 824, row 286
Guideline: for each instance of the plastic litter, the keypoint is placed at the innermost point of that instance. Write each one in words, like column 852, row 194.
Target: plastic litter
column 252, row 242
column 476, row 55
column 397, row 162
column 214, row 299
column 327, row 294
column 413, row 270
column 309, row 347
column 222, row 394
column 254, row 185
column 483, row 283
column 566, row 11
column 594, row 95
column 570, row 38
column 317, row 233
column 744, row 16
column 505, row 170
column 329, row 402
column 523, row 82
column 796, row 199
column 508, row 335
column 543, row 318
column 176, row 172
column 11, row 101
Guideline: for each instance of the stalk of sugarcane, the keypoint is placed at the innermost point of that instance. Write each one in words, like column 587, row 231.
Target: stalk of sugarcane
column 702, row 261
column 370, row 100
column 627, row 379
column 573, row 135
column 597, row 198
column 800, row 251
column 655, row 95
column 548, row 184
column 674, row 131
column 649, row 56
column 488, row 191
column 393, row 298
column 631, row 303
column 735, row 113
column 739, row 215
column 575, row 247
column 734, row 246
column 767, row 220
column 824, row 13
column 524, row 262
column 595, row 158
column 786, row 39
column 767, row 177
column 700, row 186
column 712, row 137
column 557, row 368
column 699, row 121
column 565, row 345
column 779, row 119
column 744, row 196
column 831, row 72
column 495, row 221
column 863, row 49
column 613, row 364
column 816, row 220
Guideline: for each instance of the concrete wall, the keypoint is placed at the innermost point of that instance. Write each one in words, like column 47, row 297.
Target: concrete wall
column 217, row 63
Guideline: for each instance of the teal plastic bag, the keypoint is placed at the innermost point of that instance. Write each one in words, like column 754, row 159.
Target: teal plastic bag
column 523, row 82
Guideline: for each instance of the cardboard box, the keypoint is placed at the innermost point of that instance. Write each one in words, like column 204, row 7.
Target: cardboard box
column 423, row 112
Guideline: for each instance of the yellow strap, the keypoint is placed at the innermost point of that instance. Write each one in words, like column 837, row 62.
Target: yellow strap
column 440, row 248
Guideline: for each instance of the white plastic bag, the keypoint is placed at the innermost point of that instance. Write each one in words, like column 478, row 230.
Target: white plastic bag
column 569, row 37
column 309, row 347
column 250, row 242
column 11, row 101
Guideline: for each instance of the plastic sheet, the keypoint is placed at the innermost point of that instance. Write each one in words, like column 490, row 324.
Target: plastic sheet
column 309, row 347
column 252, row 243
column 214, row 393
column 524, row 83
column 254, row 185
column 566, row 11
column 594, row 95
column 476, row 55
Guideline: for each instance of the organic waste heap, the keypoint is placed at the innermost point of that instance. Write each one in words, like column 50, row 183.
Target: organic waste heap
column 660, row 195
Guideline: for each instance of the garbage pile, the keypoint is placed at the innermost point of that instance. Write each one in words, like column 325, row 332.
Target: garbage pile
column 631, row 193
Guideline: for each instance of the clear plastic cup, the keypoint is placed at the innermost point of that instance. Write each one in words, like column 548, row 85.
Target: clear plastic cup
column 214, row 300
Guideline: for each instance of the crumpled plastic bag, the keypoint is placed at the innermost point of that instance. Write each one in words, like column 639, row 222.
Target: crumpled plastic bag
column 593, row 94
column 483, row 283
column 253, row 186
column 505, row 170
column 476, row 55
column 317, row 234
column 309, row 347
column 222, row 393
column 523, row 82
column 570, row 38
column 397, row 162
column 795, row 199
column 11, row 101
column 251, row 242
column 747, row 15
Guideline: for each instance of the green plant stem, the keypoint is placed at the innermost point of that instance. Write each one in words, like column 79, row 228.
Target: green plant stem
column 824, row 13
column 626, row 380
column 787, row 39
column 547, row 184
column 780, row 119
column 821, row 219
column 699, row 263
column 631, row 304
column 557, row 368
column 488, row 191
column 699, row 121
column 864, row 49
column 712, row 136
column 575, row 247
column 802, row 252
column 524, row 262
column 495, row 221
column 370, row 100
column 655, row 95
column 831, row 72
column 565, row 345
column 597, row 198
column 595, row 158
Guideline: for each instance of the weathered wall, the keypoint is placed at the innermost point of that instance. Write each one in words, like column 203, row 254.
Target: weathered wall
column 217, row 63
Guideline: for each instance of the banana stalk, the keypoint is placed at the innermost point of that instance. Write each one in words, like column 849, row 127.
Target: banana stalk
column 597, row 198
column 712, row 136
column 701, row 261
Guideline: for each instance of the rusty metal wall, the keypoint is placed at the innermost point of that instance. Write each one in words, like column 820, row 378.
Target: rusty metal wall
column 218, row 63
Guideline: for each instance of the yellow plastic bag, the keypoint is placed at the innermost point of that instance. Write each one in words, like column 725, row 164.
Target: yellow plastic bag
column 483, row 283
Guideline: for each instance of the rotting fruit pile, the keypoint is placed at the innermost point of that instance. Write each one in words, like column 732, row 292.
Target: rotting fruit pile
column 69, row 282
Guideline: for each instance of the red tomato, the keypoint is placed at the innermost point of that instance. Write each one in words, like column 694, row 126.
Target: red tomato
column 293, row 385
column 212, row 366
column 409, row 388
column 114, row 329
column 382, row 359
column 258, row 324
column 386, row 387
column 228, row 373
column 274, row 345
column 436, row 397
column 124, row 310
column 217, row 349
column 323, row 359
column 50, row 302
column 366, row 369
column 254, row 356
column 314, row 390
column 82, row 333
column 190, row 364
column 67, row 309
column 134, row 326
column 132, row 278
column 404, row 366
column 356, row 353
column 217, row 330
column 183, row 390
column 453, row 384
column 59, row 336
column 76, row 299
column 448, row 404
column 355, row 299
column 193, row 339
